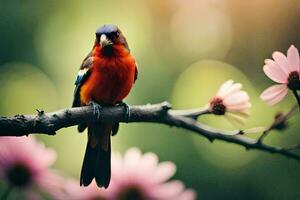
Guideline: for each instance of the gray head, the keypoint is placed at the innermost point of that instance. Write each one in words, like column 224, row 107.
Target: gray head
column 109, row 35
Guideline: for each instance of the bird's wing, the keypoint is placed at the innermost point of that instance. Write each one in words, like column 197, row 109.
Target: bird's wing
column 136, row 72
column 83, row 74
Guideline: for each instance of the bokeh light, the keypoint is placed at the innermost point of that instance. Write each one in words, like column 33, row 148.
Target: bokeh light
column 23, row 83
column 199, row 29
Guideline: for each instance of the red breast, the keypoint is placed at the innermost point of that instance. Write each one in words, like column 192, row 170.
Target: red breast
column 111, row 77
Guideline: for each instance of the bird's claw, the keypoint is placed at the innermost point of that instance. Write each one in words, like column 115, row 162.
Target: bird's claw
column 96, row 109
column 127, row 111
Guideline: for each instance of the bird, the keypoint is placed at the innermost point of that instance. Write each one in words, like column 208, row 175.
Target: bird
column 105, row 78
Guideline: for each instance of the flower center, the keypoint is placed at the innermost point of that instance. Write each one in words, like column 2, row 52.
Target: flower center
column 131, row 193
column 19, row 175
column 293, row 81
column 217, row 106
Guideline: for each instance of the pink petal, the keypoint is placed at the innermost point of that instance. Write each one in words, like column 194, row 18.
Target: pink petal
column 278, row 98
column 282, row 61
column 164, row 171
column 273, row 91
column 239, row 107
column 188, row 194
column 117, row 165
column 149, row 162
column 293, row 58
column 223, row 88
column 169, row 190
column 275, row 73
column 274, row 94
column 132, row 159
column 233, row 89
column 274, row 65
column 131, row 165
column 52, row 183
column 236, row 98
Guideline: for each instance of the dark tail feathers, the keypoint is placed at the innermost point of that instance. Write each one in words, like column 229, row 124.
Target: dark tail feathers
column 96, row 163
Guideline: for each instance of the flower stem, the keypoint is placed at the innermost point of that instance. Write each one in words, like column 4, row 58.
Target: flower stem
column 297, row 97
column 192, row 113
column 6, row 193
column 263, row 135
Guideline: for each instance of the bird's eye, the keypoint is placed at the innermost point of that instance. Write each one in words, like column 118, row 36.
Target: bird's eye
column 116, row 34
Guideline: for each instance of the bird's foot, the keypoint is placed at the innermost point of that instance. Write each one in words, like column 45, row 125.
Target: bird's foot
column 127, row 110
column 96, row 109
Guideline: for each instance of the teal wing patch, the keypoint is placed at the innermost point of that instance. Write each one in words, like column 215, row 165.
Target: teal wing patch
column 82, row 76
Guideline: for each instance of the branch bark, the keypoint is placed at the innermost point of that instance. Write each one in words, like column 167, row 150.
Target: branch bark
column 49, row 123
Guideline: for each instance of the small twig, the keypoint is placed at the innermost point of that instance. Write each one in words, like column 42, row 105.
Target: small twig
column 279, row 121
column 297, row 97
column 191, row 113
column 292, row 111
column 254, row 130
column 263, row 135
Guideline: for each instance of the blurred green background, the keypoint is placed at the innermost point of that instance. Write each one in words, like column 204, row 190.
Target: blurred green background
column 185, row 50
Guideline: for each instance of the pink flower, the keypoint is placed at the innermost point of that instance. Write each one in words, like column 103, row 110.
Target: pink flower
column 137, row 176
column 230, row 101
column 24, row 164
column 285, row 71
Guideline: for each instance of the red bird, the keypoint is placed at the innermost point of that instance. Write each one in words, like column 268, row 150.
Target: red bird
column 105, row 78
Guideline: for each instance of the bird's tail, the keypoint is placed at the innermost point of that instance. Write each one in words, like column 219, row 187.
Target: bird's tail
column 96, row 163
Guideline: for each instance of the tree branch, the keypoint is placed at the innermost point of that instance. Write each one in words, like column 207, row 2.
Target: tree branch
column 49, row 123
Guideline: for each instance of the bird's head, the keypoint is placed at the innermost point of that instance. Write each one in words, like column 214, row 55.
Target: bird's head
column 109, row 37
